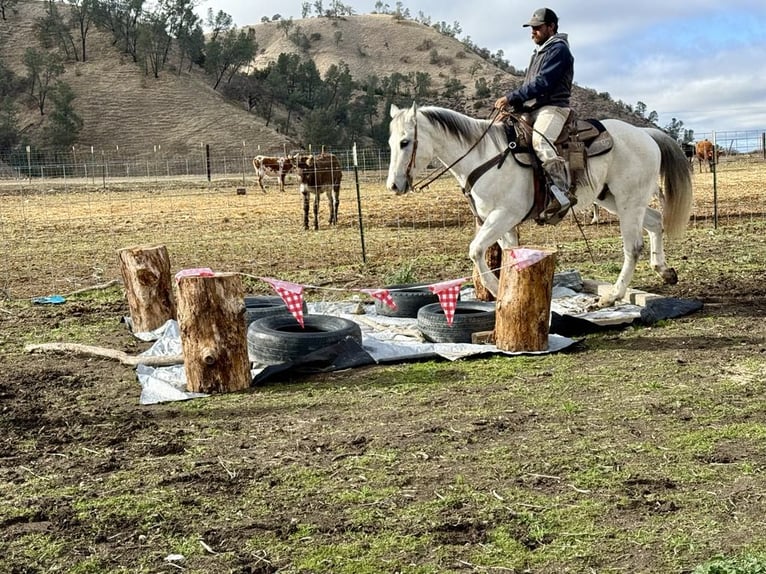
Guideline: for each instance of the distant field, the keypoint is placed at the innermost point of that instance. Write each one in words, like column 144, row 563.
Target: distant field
column 61, row 236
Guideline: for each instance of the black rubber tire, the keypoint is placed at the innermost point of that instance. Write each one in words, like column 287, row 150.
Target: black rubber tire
column 260, row 306
column 470, row 317
column 280, row 338
column 409, row 298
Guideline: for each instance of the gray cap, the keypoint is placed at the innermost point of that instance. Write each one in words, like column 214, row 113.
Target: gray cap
column 542, row 16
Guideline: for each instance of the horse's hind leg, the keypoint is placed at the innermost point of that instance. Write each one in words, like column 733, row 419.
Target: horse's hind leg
column 632, row 244
column 653, row 225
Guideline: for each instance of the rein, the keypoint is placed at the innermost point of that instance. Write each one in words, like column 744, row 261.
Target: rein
column 433, row 177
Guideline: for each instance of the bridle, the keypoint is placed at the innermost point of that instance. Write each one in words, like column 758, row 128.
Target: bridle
column 429, row 179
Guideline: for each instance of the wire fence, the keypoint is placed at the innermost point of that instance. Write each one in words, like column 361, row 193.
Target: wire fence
column 107, row 166
column 61, row 226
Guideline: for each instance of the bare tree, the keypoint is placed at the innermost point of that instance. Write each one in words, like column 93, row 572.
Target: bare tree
column 42, row 69
column 5, row 6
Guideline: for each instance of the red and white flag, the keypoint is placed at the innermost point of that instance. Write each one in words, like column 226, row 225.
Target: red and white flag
column 523, row 257
column 198, row 272
column 448, row 293
column 382, row 295
column 292, row 295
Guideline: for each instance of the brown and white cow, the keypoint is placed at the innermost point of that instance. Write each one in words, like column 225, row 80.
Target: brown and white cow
column 319, row 173
column 277, row 167
column 706, row 153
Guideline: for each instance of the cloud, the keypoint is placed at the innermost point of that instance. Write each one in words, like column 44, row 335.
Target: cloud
column 700, row 62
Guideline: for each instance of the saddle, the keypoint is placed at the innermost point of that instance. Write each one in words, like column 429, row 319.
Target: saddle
column 579, row 140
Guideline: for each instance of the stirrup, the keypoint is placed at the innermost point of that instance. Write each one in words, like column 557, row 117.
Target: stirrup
column 558, row 207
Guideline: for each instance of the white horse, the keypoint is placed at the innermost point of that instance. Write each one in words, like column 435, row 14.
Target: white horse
column 622, row 181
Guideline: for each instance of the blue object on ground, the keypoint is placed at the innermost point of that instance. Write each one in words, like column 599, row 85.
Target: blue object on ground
column 49, row 300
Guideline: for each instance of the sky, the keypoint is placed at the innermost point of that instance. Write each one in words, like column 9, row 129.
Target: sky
column 700, row 62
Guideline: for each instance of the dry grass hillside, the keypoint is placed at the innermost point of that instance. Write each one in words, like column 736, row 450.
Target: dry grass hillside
column 381, row 44
column 121, row 106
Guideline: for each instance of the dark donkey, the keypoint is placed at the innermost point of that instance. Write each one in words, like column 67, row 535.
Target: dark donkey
column 319, row 173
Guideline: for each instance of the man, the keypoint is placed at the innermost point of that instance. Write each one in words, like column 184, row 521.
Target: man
column 545, row 93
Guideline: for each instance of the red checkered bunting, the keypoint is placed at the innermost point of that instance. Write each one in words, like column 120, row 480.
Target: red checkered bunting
column 198, row 272
column 381, row 295
column 448, row 292
column 523, row 257
column 292, row 295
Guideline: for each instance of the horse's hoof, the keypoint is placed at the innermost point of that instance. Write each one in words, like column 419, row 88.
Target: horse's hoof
column 670, row 276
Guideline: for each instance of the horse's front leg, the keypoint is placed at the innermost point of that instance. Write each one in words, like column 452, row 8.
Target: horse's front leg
column 493, row 230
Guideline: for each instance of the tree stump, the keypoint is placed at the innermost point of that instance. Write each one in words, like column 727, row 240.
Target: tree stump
column 524, row 302
column 211, row 321
column 148, row 287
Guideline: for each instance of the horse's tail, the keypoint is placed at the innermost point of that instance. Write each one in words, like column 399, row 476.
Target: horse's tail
column 677, row 180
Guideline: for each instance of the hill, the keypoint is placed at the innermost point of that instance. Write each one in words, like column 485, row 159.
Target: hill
column 383, row 44
column 126, row 109
column 123, row 107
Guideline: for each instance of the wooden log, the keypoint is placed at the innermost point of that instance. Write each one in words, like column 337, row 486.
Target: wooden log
column 148, row 286
column 211, row 321
column 524, row 303
column 122, row 356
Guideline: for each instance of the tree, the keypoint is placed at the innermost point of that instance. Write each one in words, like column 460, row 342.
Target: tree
column 482, row 88
column 42, row 69
column 153, row 43
column 82, row 15
column 453, row 87
column 339, row 85
column 320, row 128
column 284, row 26
column 121, row 17
column 422, row 85
column 673, row 129
column 10, row 84
column 185, row 26
column 219, row 23
column 64, row 125
column 9, row 128
column 5, row 6
column 225, row 54
column 54, row 31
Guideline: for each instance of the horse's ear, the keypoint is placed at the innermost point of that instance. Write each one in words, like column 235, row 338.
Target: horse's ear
column 394, row 110
column 414, row 108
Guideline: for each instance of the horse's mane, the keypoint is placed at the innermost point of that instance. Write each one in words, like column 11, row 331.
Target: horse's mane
column 454, row 123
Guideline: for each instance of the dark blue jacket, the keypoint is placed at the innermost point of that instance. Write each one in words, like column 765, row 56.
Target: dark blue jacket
column 548, row 81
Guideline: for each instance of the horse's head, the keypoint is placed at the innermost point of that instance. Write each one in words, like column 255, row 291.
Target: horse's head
column 411, row 150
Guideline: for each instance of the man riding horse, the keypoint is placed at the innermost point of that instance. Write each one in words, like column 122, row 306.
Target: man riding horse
column 545, row 95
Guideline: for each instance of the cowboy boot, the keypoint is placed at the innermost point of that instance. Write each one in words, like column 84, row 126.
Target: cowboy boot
column 562, row 199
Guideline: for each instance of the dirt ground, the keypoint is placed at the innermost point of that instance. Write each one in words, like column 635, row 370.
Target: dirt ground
column 641, row 451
